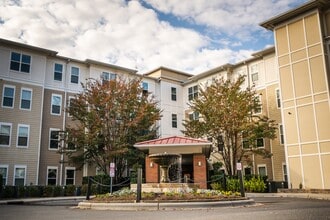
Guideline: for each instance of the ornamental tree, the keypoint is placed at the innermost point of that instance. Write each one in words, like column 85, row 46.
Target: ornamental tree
column 109, row 117
column 226, row 115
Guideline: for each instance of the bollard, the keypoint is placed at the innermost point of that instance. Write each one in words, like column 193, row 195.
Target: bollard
column 88, row 188
column 139, row 183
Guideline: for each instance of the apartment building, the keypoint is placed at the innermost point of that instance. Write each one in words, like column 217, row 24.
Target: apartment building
column 36, row 86
column 302, row 37
column 292, row 80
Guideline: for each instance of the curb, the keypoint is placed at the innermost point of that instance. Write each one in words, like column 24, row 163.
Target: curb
column 37, row 200
column 162, row 205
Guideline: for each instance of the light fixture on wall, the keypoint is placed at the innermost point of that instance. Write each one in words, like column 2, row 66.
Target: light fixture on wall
column 151, row 164
column 199, row 163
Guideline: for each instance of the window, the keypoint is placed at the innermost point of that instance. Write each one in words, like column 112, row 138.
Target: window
column 192, row 92
column 51, row 175
column 71, row 98
column 23, row 135
column 8, row 96
column 145, row 88
column 75, row 75
column 278, row 98
column 254, row 73
column 174, row 121
column 71, row 146
column 194, row 116
column 53, row 139
column 258, row 109
column 19, row 176
column 56, row 104
column 245, row 141
column 26, row 97
column 5, row 133
column 4, row 174
column 260, row 142
column 247, row 171
column 281, row 134
column 20, row 62
column 173, row 94
column 285, row 173
column 262, row 171
column 69, row 176
column 58, row 72
column 108, row 76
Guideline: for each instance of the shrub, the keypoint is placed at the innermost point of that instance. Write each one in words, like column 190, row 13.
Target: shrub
column 233, row 184
column 69, row 190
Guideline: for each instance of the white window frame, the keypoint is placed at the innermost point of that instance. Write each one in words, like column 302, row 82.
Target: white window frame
column 281, row 134
column 74, row 174
column 51, row 104
column 259, row 97
column 50, row 133
column 278, row 98
column 68, row 104
column 263, row 141
column 3, row 96
column 285, row 172
column 20, row 104
column 107, row 76
column 262, row 165
column 254, row 72
column 25, row 171
column 6, row 167
column 55, row 71
column 250, row 167
column 51, row 168
column 10, row 133
column 28, row 135
column 71, row 75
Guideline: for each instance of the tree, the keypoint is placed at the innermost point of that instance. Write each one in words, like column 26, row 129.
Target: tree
column 109, row 117
column 226, row 115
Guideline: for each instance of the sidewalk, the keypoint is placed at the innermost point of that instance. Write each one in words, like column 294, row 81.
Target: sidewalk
column 323, row 196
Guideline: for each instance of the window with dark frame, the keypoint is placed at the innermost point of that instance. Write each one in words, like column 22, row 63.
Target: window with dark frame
column 192, row 93
column 20, row 62
column 173, row 93
column 174, row 121
column 69, row 177
column 278, row 98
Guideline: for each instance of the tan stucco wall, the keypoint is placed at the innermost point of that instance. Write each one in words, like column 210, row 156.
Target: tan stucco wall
column 305, row 94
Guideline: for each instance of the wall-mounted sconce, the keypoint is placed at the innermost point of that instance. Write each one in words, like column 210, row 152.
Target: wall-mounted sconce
column 199, row 163
column 151, row 164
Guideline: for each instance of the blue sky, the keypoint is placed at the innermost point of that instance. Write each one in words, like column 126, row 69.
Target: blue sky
column 186, row 35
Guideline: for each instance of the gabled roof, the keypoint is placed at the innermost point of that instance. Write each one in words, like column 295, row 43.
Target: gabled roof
column 173, row 141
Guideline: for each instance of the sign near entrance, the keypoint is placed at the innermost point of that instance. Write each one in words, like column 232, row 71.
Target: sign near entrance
column 239, row 166
column 112, row 169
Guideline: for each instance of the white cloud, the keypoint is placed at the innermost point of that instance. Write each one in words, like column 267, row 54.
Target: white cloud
column 126, row 33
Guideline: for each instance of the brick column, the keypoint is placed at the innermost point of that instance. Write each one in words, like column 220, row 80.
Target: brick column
column 151, row 171
column 200, row 169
